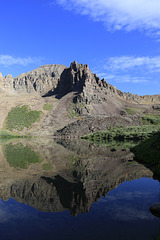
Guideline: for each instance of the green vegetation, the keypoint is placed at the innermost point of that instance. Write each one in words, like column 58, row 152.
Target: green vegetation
column 132, row 163
column 48, row 106
column 151, row 119
column 7, row 135
column 122, row 133
column 74, row 162
column 126, row 136
column 75, row 109
column 20, row 156
column 73, row 159
column 125, row 144
column 148, row 153
column 20, row 117
column 47, row 166
column 72, row 114
column 133, row 111
column 72, row 111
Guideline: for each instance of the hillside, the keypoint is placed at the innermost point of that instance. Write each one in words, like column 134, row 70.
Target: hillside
column 70, row 100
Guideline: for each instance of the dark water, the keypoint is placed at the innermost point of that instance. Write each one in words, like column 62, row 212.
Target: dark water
column 75, row 190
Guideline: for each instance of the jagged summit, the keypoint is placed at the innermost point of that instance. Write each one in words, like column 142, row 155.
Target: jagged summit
column 78, row 98
column 59, row 79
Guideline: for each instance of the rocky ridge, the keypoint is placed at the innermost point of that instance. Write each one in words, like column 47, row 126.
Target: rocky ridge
column 79, row 99
column 62, row 80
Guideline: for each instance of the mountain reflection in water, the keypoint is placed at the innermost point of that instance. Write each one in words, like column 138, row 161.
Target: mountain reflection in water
column 79, row 173
column 73, row 189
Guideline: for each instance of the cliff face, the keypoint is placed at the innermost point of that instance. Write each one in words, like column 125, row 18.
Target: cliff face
column 78, row 78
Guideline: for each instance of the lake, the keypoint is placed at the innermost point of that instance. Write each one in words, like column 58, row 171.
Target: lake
column 74, row 190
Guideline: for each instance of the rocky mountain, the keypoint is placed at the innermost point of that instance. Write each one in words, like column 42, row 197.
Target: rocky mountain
column 78, row 97
column 78, row 78
column 62, row 80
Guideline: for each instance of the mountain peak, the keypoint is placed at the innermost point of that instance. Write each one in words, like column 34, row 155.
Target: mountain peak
column 76, row 66
column 59, row 79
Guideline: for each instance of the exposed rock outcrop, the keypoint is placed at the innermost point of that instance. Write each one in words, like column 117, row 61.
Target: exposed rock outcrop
column 95, row 124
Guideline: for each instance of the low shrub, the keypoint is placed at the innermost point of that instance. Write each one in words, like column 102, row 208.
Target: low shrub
column 122, row 133
column 47, row 166
column 20, row 117
column 132, row 111
column 151, row 119
column 48, row 106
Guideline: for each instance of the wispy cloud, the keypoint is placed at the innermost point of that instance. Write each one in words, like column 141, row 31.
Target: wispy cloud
column 124, row 78
column 129, row 69
column 120, row 14
column 125, row 63
column 128, row 79
column 7, row 60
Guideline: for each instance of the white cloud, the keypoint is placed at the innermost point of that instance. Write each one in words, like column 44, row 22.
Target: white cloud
column 117, row 78
column 8, row 60
column 127, row 79
column 120, row 14
column 129, row 69
column 125, row 63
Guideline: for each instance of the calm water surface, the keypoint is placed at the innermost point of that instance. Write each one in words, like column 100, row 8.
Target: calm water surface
column 75, row 191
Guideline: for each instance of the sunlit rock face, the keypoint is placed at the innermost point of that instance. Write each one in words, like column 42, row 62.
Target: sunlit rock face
column 40, row 80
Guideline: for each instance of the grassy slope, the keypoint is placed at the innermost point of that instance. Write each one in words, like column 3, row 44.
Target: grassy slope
column 21, row 117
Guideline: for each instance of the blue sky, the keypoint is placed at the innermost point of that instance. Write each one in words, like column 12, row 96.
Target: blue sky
column 118, row 39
